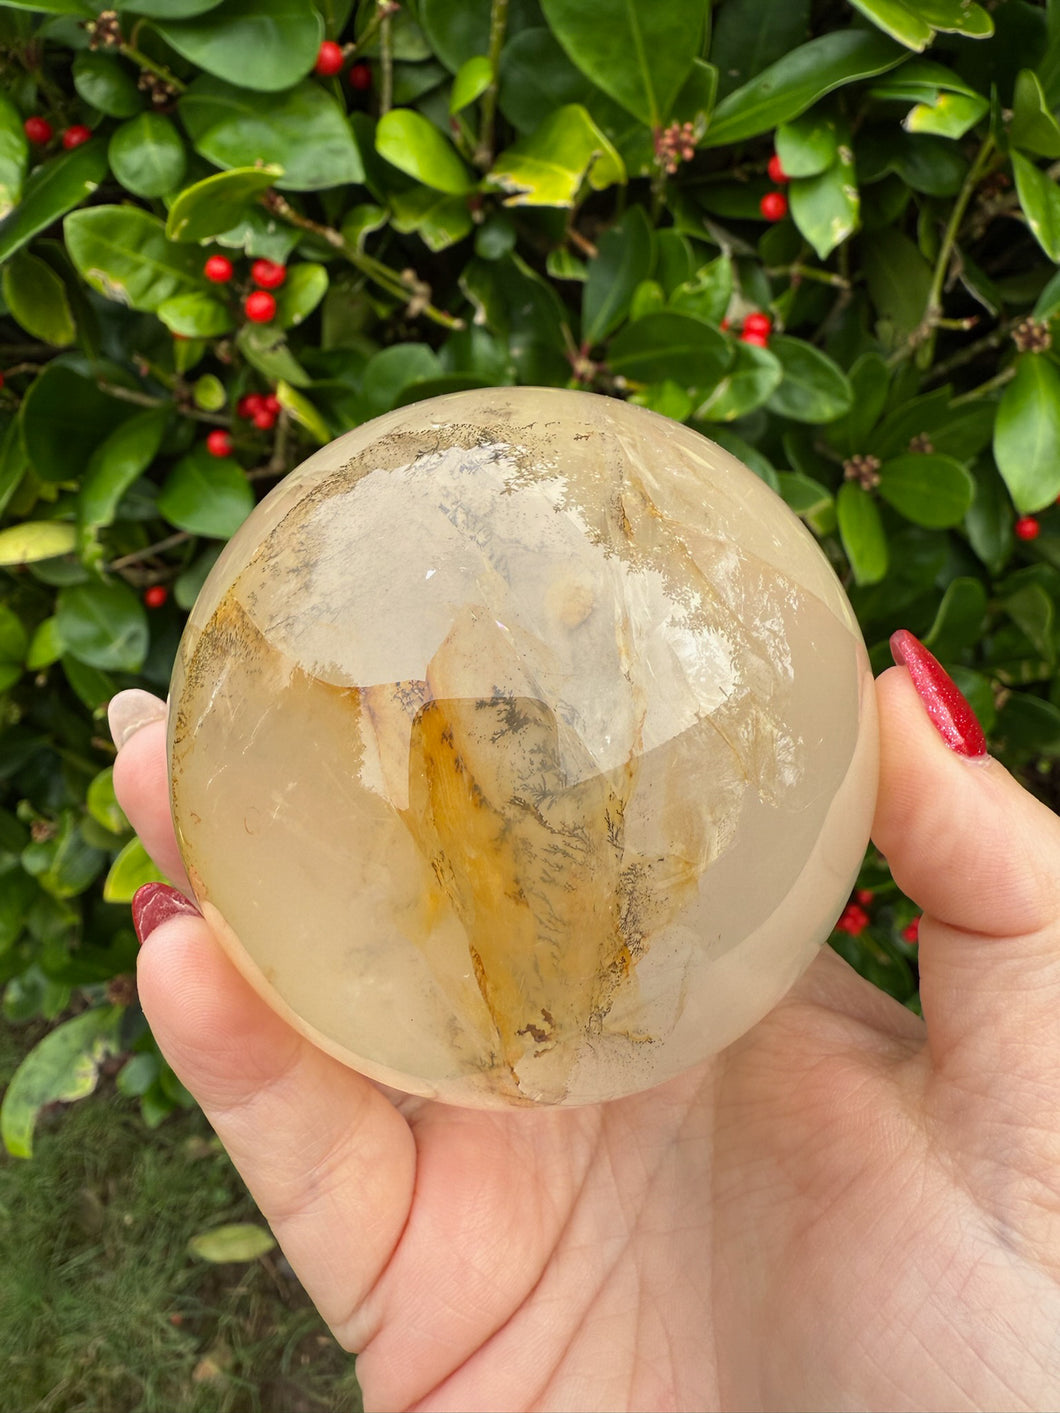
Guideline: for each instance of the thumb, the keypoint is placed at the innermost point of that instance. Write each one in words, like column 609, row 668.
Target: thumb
column 981, row 857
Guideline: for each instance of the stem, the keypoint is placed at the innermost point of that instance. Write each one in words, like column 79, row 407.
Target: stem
column 141, row 399
column 159, row 70
column 808, row 272
column 968, row 354
column 383, row 10
column 386, row 58
column 138, row 556
column 407, row 285
column 487, row 128
column 991, row 385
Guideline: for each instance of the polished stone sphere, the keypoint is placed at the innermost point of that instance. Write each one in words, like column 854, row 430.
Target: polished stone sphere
column 523, row 748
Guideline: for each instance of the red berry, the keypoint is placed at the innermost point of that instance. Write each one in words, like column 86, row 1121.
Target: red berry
column 1, row 380
column 264, row 420
column 912, row 932
column 361, row 76
column 248, row 404
column 864, row 896
column 271, row 403
column 776, row 171
column 156, row 595
column 260, row 307
column 219, row 443
column 329, row 59
column 759, row 340
column 724, row 324
column 756, row 323
column 1027, row 528
column 219, row 269
column 854, row 920
column 268, row 274
column 38, row 130
column 774, row 206
column 75, row 136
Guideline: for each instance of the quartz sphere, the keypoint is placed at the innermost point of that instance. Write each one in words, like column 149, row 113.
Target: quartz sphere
column 523, row 748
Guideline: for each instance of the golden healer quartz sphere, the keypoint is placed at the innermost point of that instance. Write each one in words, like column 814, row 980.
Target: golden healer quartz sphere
column 522, row 747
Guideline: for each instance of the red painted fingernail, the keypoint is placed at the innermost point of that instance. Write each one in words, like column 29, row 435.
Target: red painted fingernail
column 156, row 903
column 943, row 700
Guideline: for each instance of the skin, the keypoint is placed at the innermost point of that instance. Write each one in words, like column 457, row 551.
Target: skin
column 849, row 1208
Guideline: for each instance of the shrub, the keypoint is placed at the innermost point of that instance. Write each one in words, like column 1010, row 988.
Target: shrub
column 824, row 234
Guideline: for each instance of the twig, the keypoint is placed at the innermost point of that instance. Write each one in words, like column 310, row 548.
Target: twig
column 498, row 27
column 138, row 556
column 386, row 59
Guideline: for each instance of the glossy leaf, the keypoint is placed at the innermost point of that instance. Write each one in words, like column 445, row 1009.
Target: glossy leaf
column 901, row 22
column 412, row 143
column 64, row 417
column 457, row 30
column 927, row 488
column 1034, row 129
column 670, row 345
column 826, row 208
column 1027, row 434
column 747, row 383
column 37, row 299
column 951, row 115
column 471, row 82
column 390, row 371
column 814, row 388
column 862, row 533
column 956, row 17
column 131, row 869
column 547, row 168
column 808, row 145
column 265, row 348
column 440, row 220
column 302, row 411
column 64, row 1066
column 536, row 78
column 305, row 286
column 708, row 293
column 116, row 463
column 640, row 52
column 214, row 205
column 899, row 283
column 123, row 253
column 1040, row 199
column 196, row 315
column 35, row 539
column 103, row 625
column 206, row 495
column 1033, row 610
column 749, row 35
column 797, row 81
column 959, row 619
column 14, row 156
column 264, row 45
column 233, row 127
column 239, row 1242
column 104, row 82
column 54, row 188
column 170, row 9
column 623, row 258
column 147, row 155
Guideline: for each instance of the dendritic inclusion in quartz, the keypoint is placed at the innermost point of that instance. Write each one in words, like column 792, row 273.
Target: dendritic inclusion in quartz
column 522, row 748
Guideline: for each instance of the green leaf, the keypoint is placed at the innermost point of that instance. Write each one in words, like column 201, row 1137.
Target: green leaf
column 123, row 253
column 196, row 316
column 802, row 494
column 170, row 9
column 66, row 864
column 14, row 155
column 264, row 45
column 899, row 281
column 37, row 299
column 63, row 417
column 36, row 539
column 410, row 142
column 102, row 803
column 957, row 17
column 53, row 189
column 640, row 52
column 104, row 82
column 103, row 625
column 921, row 81
column 814, row 388
column 808, row 146
column 959, row 620
column 239, row 1241
column 303, row 412
column 147, row 155
column 131, row 869
column 391, row 370
column 536, row 78
column 623, row 258
column 1033, row 611
column 795, row 82
column 13, row 639
column 668, row 344
column 927, row 488
column 951, row 115
column 265, row 348
column 870, row 381
column 1029, row 724
column 471, row 82
column 749, row 382
column 457, row 30
column 233, row 127
column 217, row 203
column 1033, row 129
column 749, row 35
column 826, row 208
column 1027, row 434
column 547, row 168
column 438, row 219
column 64, row 1066
column 862, row 533
column 91, row 687
column 1040, row 199
column 708, row 293
column 899, row 21
column 206, row 495
column 305, row 286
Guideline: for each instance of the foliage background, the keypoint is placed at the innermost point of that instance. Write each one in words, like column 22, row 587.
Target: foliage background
column 558, row 192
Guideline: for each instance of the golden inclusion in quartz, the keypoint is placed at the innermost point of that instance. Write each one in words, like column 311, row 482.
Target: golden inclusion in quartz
column 523, row 748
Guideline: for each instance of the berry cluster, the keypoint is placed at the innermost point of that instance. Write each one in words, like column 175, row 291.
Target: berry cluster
column 259, row 305
column 774, row 205
column 40, row 132
column 756, row 328
column 262, row 409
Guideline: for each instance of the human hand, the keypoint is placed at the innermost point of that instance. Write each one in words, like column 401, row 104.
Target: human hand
column 847, row 1208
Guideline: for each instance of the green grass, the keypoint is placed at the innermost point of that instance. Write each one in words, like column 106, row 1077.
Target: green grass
column 103, row 1308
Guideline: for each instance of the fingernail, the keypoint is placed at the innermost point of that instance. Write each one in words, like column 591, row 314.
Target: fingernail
column 943, row 700
column 156, row 903
column 128, row 711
